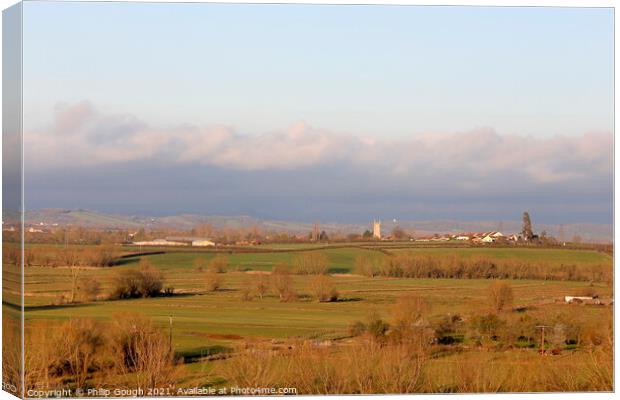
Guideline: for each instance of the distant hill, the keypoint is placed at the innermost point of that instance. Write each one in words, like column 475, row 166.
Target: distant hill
column 99, row 220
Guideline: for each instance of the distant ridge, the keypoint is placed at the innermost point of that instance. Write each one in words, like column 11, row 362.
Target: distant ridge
column 99, row 220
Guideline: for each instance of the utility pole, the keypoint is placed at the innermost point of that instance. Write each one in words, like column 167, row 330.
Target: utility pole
column 542, row 338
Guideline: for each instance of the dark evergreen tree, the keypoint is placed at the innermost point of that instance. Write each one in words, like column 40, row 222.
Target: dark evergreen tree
column 527, row 227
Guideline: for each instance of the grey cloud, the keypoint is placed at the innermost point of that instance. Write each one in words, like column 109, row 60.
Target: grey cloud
column 309, row 172
column 81, row 135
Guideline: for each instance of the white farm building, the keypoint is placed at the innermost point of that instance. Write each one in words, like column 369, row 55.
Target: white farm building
column 202, row 243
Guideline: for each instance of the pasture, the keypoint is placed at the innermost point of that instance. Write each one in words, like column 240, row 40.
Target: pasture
column 204, row 324
column 201, row 318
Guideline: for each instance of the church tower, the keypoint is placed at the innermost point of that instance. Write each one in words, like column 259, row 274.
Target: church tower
column 376, row 229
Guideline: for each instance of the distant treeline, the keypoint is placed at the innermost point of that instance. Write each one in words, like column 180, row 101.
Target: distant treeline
column 410, row 265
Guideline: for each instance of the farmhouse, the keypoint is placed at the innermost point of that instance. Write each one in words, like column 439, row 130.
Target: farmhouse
column 491, row 237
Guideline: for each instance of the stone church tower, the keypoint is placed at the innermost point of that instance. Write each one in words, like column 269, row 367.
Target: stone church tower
column 376, row 229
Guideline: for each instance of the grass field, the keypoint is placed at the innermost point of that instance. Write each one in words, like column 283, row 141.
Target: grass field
column 198, row 313
column 209, row 322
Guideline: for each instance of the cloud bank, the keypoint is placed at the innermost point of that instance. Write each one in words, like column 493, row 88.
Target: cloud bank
column 470, row 166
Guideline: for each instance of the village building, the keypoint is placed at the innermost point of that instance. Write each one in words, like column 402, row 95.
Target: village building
column 202, row 243
column 160, row 242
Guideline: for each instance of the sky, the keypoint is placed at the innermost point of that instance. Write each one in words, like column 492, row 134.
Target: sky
column 334, row 113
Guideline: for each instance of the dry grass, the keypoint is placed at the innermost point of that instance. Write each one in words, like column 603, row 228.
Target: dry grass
column 366, row 367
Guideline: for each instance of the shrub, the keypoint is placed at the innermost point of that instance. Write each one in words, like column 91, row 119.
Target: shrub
column 486, row 326
column 141, row 352
column 323, row 289
column 311, row 263
column 365, row 266
column 261, row 285
column 128, row 284
column 63, row 354
column 377, row 327
column 88, row 289
column 282, row 283
column 78, row 346
column 101, row 256
column 357, row 328
column 151, row 283
column 500, row 296
column 448, row 327
column 213, row 281
column 247, row 294
column 218, row 264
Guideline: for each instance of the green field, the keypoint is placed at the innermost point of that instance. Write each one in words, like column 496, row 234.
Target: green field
column 201, row 319
column 219, row 337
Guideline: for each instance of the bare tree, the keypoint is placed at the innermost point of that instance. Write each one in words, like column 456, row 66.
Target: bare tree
column 261, row 286
column 75, row 276
column 213, row 281
column 500, row 296
column 282, row 283
column 311, row 263
column 143, row 352
column 88, row 288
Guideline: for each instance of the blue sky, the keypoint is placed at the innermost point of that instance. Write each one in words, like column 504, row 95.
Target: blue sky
column 368, row 70
column 284, row 91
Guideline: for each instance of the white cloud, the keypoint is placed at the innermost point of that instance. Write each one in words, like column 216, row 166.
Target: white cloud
column 82, row 136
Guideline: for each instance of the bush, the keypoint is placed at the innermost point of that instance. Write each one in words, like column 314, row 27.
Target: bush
column 447, row 328
column 101, row 256
column 486, row 326
column 311, row 263
column 141, row 352
column 152, row 282
column 218, row 264
column 357, row 328
column 282, row 283
column 247, row 294
column 261, row 286
column 500, row 296
column 66, row 352
column 377, row 327
column 80, row 353
column 365, row 266
column 88, row 289
column 323, row 289
column 213, row 281
column 128, row 284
